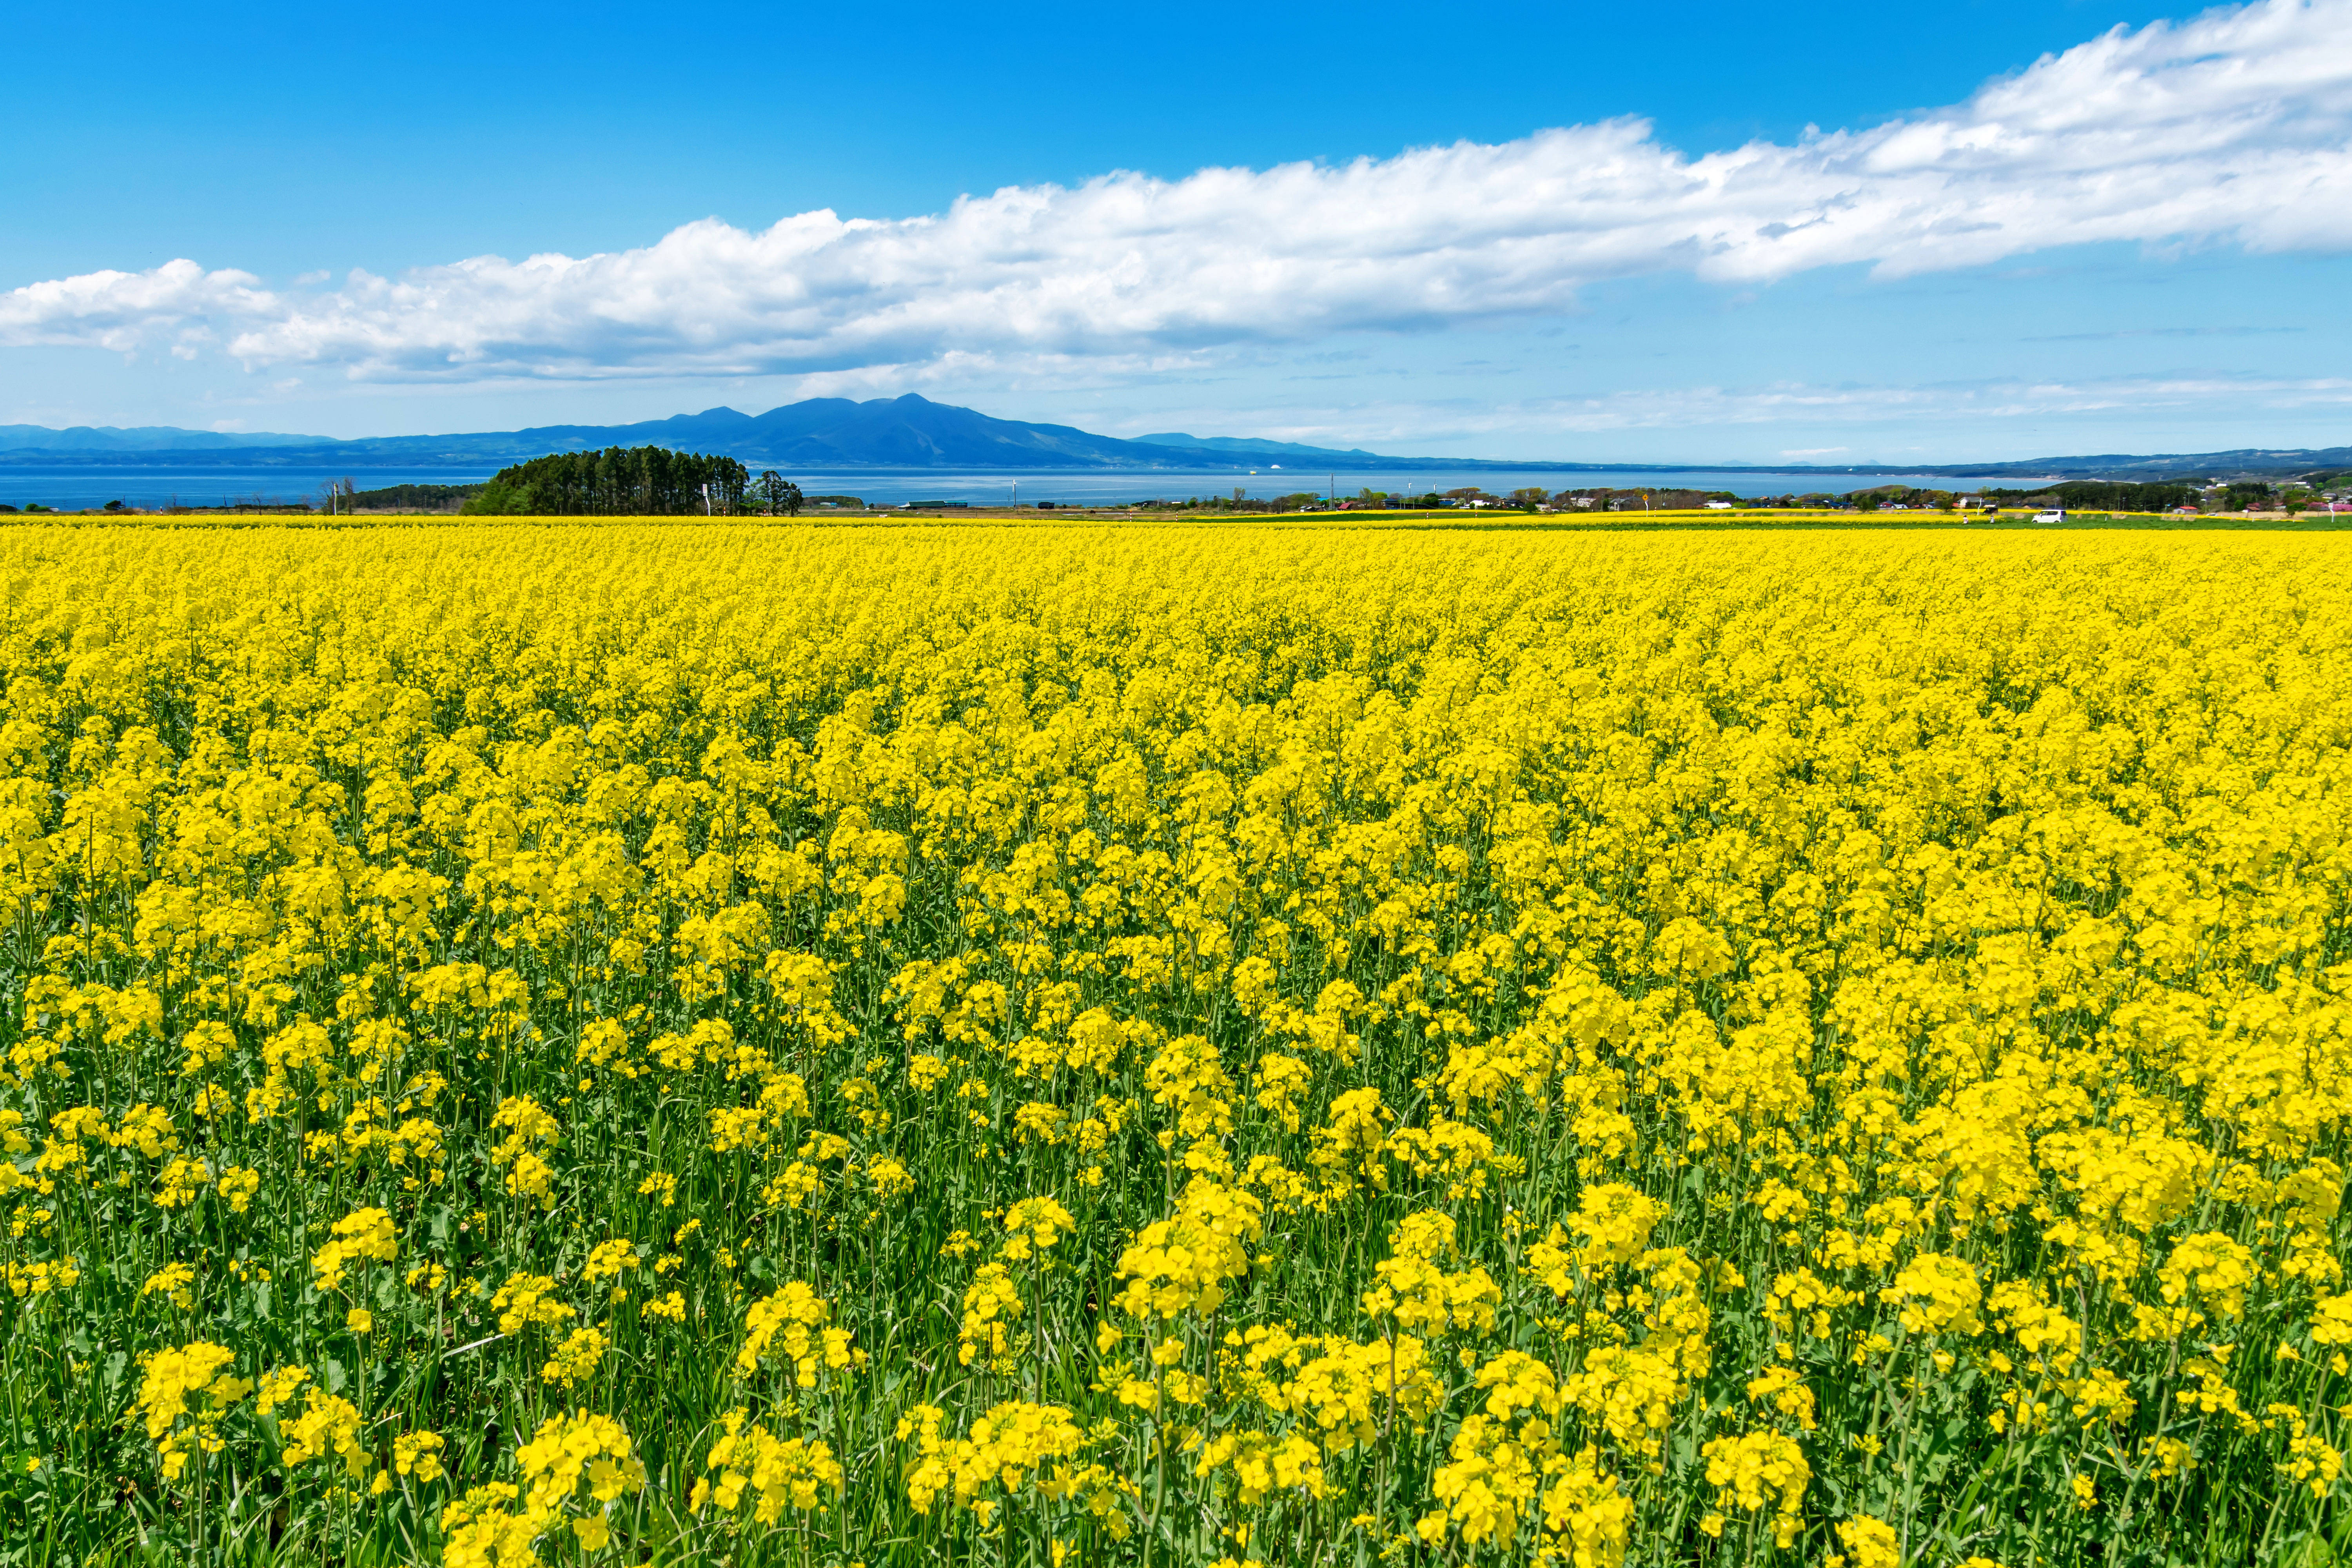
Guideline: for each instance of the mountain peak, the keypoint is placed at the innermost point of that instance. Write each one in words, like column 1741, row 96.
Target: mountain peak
column 911, row 431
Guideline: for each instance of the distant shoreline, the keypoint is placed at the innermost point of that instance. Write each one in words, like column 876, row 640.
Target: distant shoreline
column 910, row 434
column 260, row 459
column 149, row 486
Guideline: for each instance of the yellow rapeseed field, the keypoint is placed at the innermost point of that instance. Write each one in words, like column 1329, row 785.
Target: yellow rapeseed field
column 1031, row 1046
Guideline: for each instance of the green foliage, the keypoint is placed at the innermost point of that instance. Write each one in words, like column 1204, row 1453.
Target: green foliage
column 777, row 495
column 500, row 497
column 412, row 497
column 2100, row 495
column 619, row 482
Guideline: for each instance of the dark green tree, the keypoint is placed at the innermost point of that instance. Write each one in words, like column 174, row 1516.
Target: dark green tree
column 502, row 497
column 778, row 494
column 619, row 482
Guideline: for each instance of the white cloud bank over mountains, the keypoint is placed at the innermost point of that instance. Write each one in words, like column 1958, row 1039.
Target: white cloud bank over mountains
column 2234, row 128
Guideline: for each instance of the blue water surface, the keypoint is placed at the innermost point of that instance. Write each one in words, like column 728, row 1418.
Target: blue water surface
column 71, row 488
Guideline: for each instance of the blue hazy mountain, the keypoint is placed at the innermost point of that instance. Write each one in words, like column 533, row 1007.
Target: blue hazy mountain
column 912, row 432
column 1250, row 445
column 141, row 438
column 908, row 432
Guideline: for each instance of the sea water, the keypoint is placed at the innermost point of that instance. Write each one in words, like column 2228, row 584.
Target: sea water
column 73, row 488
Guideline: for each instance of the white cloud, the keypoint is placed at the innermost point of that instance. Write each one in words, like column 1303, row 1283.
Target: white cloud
column 2234, row 128
column 1951, row 410
column 126, row 310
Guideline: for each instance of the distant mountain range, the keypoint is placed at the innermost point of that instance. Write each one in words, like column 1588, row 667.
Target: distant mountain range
column 2246, row 462
column 911, row 432
column 1257, row 446
column 142, row 438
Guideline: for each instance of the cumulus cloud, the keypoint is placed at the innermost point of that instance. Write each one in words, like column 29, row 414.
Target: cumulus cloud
column 126, row 310
column 2234, row 128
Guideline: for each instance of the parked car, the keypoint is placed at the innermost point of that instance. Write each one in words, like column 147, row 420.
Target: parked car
column 2056, row 514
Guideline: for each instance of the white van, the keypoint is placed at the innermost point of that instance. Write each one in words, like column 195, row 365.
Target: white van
column 2056, row 515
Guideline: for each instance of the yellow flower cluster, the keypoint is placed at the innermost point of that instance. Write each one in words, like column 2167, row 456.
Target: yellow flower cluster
column 193, row 1374
column 576, row 1359
column 1185, row 1044
column 1417, row 1292
column 786, row 1473
column 499, row 1525
column 327, row 1425
column 1009, row 1447
column 1185, row 1264
column 791, row 1323
column 364, row 1236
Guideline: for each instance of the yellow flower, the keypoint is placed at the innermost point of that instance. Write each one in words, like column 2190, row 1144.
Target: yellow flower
column 1869, row 1542
column 418, row 1453
column 782, row 1472
column 1530, row 932
column 609, row 1258
column 1185, row 1263
column 172, row 1283
column 327, row 1425
column 793, row 1324
column 526, row 1301
column 576, row 1359
column 362, row 1235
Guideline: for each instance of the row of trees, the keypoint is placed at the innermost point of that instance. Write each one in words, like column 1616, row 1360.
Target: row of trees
column 405, row 498
column 633, row 482
column 2237, row 495
column 2108, row 495
column 657, row 482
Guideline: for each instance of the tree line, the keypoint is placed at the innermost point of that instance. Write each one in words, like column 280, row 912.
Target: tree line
column 633, row 482
column 409, row 498
column 2112, row 495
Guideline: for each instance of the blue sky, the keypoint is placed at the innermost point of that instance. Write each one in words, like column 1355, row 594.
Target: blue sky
column 1525, row 231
